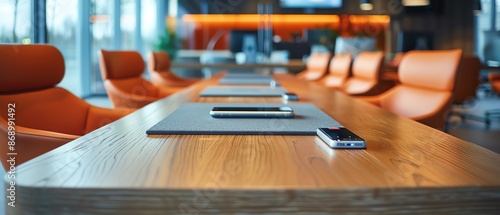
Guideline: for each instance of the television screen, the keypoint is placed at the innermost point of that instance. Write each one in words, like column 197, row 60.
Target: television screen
column 409, row 40
column 311, row 3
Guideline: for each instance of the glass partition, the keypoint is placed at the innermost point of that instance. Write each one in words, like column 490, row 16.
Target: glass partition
column 61, row 24
column 102, row 37
column 15, row 26
column 262, row 32
column 127, row 24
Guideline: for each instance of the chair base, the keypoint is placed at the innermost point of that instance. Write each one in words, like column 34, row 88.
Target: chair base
column 491, row 114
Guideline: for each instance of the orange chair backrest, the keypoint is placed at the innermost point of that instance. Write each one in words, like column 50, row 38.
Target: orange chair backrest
column 467, row 79
column 121, row 64
column 318, row 62
column 122, row 70
column 434, row 70
column 367, row 65
column 28, row 77
column 29, row 67
column 159, row 61
column 316, row 67
column 365, row 73
column 339, row 69
column 426, row 89
column 494, row 79
column 340, row 65
column 159, row 69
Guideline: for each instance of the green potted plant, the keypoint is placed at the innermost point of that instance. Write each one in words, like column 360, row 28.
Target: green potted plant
column 169, row 43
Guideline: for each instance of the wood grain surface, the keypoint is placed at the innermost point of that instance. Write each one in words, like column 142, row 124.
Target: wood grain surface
column 118, row 169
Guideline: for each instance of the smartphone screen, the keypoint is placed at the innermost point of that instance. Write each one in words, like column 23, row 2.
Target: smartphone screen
column 340, row 137
column 252, row 112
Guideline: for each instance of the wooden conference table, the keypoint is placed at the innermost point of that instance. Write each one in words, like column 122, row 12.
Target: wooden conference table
column 118, row 169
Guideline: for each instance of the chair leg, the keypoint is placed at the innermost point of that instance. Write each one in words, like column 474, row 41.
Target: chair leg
column 491, row 114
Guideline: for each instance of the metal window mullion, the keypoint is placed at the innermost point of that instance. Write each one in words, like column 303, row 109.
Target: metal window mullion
column 38, row 20
column 84, row 46
column 161, row 13
column 138, row 31
column 116, row 22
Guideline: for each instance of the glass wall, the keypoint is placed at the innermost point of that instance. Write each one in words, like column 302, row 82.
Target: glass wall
column 114, row 25
column 15, row 24
column 127, row 23
column 497, row 15
column 149, row 31
column 101, row 26
column 61, row 21
column 487, row 41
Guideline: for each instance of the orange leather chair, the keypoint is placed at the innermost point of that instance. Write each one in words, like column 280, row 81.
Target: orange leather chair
column 121, row 72
column 464, row 95
column 467, row 80
column 339, row 69
column 161, row 75
column 316, row 67
column 45, row 116
column 425, row 93
column 494, row 79
column 365, row 74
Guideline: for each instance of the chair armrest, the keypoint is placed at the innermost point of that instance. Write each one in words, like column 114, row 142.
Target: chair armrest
column 122, row 99
column 21, row 130
column 494, row 76
column 494, row 79
column 30, row 143
column 98, row 117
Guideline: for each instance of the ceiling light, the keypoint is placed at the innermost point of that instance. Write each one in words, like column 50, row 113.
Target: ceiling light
column 366, row 5
column 476, row 8
column 411, row 3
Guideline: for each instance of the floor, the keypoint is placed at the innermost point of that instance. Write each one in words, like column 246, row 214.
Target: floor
column 472, row 127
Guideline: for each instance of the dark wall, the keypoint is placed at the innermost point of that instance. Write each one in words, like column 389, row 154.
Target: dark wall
column 452, row 23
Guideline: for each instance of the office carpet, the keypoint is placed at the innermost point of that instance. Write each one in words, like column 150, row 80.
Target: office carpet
column 472, row 127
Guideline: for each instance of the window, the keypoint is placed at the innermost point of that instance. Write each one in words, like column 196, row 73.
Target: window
column 114, row 25
column 101, row 25
column 149, row 31
column 15, row 26
column 61, row 23
column 483, row 18
column 487, row 40
column 127, row 24
column 497, row 11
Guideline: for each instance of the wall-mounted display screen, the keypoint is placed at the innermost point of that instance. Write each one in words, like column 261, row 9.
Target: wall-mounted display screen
column 311, row 3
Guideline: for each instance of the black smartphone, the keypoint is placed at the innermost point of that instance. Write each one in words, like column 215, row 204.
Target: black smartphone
column 340, row 137
column 252, row 112
column 290, row 96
